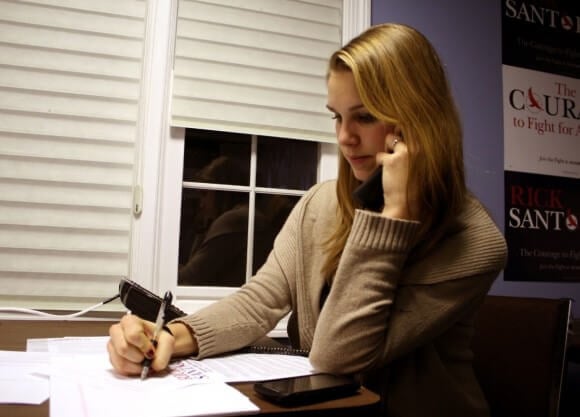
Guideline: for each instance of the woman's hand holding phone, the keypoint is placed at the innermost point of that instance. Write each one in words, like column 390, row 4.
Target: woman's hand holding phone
column 385, row 190
column 395, row 175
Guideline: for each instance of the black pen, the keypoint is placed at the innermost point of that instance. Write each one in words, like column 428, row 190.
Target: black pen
column 159, row 323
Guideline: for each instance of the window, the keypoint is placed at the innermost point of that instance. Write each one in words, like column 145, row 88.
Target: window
column 100, row 102
column 237, row 192
column 255, row 69
column 158, row 269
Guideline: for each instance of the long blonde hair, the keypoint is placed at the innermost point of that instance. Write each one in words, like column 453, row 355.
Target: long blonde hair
column 401, row 81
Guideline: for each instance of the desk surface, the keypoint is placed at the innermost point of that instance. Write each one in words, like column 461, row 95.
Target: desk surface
column 18, row 331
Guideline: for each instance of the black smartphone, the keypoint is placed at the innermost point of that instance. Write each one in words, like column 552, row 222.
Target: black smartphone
column 143, row 303
column 370, row 193
column 307, row 389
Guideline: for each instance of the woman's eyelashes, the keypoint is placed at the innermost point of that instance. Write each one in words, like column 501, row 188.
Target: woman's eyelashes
column 366, row 118
column 362, row 118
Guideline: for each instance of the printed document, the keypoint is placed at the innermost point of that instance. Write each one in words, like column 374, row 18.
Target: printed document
column 85, row 385
column 83, row 382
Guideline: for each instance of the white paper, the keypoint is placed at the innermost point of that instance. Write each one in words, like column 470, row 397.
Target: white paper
column 21, row 380
column 246, row 367
column 26, row 389
column 86, row 385
column 241, row 367
column 71, row 398
column 97, row 344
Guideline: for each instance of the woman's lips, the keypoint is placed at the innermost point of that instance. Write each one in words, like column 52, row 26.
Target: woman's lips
column 358, row 160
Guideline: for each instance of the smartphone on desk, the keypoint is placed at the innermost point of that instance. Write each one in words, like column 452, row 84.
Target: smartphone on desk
column 370, row 193
column 307, row 389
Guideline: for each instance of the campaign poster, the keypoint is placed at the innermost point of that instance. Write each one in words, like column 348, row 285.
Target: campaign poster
column 541, row 109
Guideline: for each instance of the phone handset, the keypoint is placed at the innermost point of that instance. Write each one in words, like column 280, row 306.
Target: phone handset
column 370, row 193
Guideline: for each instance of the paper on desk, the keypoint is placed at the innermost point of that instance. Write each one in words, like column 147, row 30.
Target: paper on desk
column 21, row 380
column 83, row 383
column 242, row 367
column 246, row 367
column 86, row 385
column 24, row 389
column 97, row 344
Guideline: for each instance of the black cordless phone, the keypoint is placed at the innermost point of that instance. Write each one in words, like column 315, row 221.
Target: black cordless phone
column 370, row 193
column 143, row 302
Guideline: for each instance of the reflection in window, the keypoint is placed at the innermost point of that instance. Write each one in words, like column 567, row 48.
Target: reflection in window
column 203, row 147
column 214, row 238
column 286, row 163
column 225, row 205
column 271, row 213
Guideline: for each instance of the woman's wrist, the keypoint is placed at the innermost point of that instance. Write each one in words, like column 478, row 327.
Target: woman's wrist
column 394, row 213
column 185, row 341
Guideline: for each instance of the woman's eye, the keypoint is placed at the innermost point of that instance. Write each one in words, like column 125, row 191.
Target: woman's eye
column 366, row 118
column 335, row 117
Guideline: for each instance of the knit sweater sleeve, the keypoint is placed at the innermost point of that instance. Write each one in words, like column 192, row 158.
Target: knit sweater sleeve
column 354, row 319
column 381, row 308
column 251, row 312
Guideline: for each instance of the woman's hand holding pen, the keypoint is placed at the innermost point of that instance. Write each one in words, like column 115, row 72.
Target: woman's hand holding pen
column 130, row 343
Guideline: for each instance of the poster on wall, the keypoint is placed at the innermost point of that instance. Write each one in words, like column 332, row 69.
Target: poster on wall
column 541, row 108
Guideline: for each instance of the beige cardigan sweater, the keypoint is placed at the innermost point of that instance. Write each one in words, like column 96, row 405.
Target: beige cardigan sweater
column 404, row 326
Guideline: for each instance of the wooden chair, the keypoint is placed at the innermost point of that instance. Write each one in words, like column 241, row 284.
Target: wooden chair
column 519, row 350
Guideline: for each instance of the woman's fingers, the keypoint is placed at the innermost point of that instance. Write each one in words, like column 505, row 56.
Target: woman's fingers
column 163, row 352
column 138, row 333
column 395, row 177
column 393, row 140
column 120, row 363
column 129, row 343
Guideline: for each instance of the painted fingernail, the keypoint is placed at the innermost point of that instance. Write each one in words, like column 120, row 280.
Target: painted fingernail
column 150, row 354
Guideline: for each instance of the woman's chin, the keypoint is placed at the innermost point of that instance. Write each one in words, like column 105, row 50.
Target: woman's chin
column 361, row 175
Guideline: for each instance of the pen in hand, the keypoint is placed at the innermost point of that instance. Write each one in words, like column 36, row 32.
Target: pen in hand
column 159, row 323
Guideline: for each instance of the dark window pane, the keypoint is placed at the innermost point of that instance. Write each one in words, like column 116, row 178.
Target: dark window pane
column 214, row 223
column 213, row 238
column 216, row 157
column 286, row 163
column 271, row 213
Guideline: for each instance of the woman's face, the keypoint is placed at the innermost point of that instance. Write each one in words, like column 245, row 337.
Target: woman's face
column 359, row 134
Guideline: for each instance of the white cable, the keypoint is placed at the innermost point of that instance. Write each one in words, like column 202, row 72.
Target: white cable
column 62, row 316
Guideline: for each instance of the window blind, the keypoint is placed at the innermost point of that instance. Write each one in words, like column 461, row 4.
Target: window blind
column 255, row 66
column 70, row 75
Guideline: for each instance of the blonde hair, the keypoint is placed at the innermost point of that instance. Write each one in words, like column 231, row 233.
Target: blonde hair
column 401, row 81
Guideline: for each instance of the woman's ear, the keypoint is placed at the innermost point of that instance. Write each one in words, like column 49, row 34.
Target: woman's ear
column 398, row 132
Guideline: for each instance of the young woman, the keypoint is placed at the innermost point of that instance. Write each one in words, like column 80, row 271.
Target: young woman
column 388, row 295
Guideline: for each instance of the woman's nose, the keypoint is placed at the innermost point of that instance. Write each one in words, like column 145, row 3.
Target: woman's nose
column 346, row 134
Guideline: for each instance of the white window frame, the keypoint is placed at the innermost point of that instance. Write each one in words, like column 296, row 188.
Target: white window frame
column 155, row 234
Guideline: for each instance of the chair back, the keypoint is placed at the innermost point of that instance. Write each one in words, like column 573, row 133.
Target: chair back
column 519, row 350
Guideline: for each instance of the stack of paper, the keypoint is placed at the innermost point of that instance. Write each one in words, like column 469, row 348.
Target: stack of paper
column 83, row 383
column 23, row 377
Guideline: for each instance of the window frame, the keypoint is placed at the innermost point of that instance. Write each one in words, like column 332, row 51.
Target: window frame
column 155, row 233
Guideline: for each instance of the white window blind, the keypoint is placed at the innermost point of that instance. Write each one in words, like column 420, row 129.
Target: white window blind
column 70, row 75
column 255, row 66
